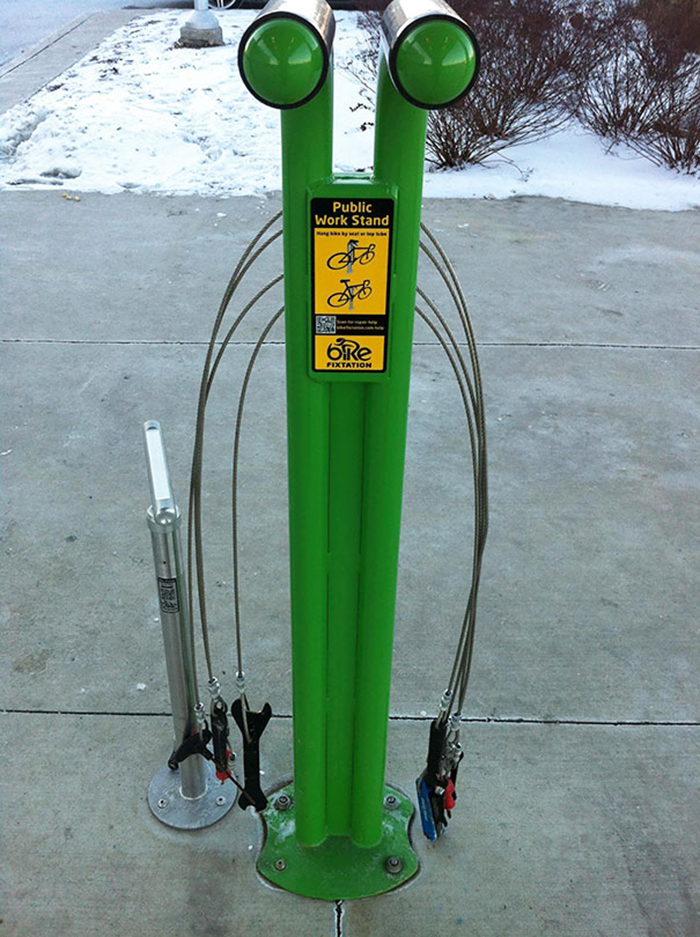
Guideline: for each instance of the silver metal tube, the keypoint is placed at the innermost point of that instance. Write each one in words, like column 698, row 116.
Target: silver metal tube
column 316, row 14
column 164, row 523
column 403, row 15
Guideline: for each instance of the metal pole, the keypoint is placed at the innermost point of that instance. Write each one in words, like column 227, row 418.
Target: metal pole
column 346, row 433
column 284, row 59
column 433, row 59
column 178, row 798
column 346, row 444
column 398, row 159
column 164, row 520
column 308, row 432
column 201, row 28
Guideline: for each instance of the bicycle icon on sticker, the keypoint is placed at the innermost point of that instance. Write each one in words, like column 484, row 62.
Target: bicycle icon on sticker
column 344, row 260
column 350, row 294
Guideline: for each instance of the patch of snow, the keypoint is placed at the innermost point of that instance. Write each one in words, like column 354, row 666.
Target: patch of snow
column 17, row 126
column 140, row 114
column 62, row 172
column 571, row 164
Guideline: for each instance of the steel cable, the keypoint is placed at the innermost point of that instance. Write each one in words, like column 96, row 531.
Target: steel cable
column 462, row 661
column 194, row 532
column 461, row 668
column 471, row 391
column 234, row 482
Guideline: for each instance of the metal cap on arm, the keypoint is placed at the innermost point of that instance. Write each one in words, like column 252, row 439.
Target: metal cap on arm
column 431, row 52
column 284, row 55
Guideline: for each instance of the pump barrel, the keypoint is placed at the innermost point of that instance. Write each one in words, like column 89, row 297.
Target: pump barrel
column 163, row 517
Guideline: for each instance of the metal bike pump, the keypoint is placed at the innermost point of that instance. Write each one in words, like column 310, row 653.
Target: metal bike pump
column 189, row 797
column 342, row 833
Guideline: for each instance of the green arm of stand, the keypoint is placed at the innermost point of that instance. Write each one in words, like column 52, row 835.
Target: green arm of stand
column 344, row 525
column 306, row 157
column 399, row 159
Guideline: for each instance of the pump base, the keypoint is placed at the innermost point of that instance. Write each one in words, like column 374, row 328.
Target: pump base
column 338, row 869
column 170, row 807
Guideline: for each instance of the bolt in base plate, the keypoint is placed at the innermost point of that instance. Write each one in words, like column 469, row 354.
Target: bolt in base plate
column 337, row 869
column 170, row 807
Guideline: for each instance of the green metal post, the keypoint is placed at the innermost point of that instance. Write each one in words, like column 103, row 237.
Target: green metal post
column 341, row 837
column 347, row 408
column 308, row 453
column 398, row 158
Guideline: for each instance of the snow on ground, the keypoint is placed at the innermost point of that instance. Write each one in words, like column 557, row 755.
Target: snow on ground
column 138, row 113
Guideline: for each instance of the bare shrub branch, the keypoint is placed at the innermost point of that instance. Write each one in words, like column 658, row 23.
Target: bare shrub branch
column 644, row 90
column 629, row 79
column 533, row 53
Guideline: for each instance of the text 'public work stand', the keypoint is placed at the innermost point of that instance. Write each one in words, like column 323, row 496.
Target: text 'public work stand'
column 350, row 260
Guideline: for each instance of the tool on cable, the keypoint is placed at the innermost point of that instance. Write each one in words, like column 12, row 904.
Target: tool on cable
column 252, row 726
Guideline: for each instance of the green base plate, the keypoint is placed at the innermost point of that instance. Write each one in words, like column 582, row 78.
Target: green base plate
column 338, row 869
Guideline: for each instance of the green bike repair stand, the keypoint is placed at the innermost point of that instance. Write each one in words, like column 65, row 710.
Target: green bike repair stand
column 338, row 832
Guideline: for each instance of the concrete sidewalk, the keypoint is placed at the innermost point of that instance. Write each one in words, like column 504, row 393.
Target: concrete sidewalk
column 578, row 813
column 25, row 74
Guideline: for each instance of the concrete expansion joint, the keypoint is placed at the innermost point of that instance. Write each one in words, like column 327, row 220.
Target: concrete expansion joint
column 339, row 913
column 127, row 341
column 620, row 346
column 614, row 346
column 483, row 720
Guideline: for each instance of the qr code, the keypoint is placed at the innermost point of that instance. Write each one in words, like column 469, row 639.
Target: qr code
column 325, row 325
column 167, row 590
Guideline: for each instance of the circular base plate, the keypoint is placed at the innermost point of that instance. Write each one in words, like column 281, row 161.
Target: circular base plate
column 170, row 807
column 338, row 869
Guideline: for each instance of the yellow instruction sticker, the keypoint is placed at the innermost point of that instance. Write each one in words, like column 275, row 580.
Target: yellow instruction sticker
column 351, row 257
